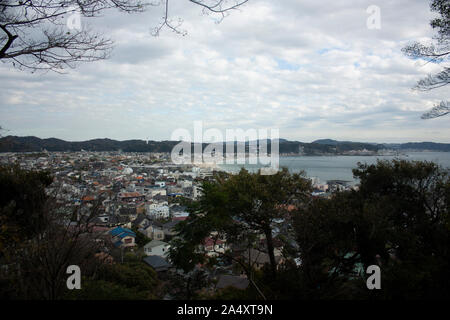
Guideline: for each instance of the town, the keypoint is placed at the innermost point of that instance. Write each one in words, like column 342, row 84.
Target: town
column 142, row 195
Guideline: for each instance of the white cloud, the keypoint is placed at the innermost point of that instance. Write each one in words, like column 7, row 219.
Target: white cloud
column 311, row 69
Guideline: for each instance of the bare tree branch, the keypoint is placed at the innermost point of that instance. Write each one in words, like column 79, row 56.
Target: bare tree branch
column 437, row 52
column 218, row 7
column 438, row 110
column 37, row 35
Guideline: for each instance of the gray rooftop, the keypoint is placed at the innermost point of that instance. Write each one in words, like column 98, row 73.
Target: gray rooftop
column 232, row 281
column 157, row 263
column 155, row 243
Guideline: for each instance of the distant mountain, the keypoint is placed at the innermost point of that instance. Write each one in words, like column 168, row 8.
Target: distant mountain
column 343, row 146
column 335, row 142
column 322, row 146
column 419, row 146
column 34, row 144
column 432, row 146
column 326, row 141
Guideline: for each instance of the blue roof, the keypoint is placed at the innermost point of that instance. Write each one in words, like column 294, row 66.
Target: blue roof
column 122, row 232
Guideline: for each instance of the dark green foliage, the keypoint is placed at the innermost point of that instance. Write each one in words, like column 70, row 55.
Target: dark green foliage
column 105, row 290
column 22, row 202
column 128, row 281
column 238, row 207
column 335, row 238
column 183, row 251
column 231, row 293
column 132, row 275
column 188, row 286
column 398, row 220
column 141, row 239
column 37, row 248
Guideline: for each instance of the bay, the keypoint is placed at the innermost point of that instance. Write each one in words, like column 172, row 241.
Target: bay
column 326, row 168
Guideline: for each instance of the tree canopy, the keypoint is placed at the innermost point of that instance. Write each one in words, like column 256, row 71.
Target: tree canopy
column 239, row 208
column 398, row 220
column 40, row 238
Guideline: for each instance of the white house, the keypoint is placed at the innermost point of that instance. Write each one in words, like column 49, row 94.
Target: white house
column 160, row 184
column 155, row 204
column 157, row 248
column 185, row 183
column 213, row 247
column 158, row 211
column 180, row 214
column 157, row 191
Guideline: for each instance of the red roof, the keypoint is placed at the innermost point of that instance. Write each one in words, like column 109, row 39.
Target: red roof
column 288, row 207
column 179, row 218
column 210, row 241
column 96, row 229
column 131, row 195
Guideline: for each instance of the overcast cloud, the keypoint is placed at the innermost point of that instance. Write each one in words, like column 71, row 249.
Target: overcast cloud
column 310, row 68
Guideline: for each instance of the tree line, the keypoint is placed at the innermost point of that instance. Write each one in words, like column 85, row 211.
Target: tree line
column 398, row 219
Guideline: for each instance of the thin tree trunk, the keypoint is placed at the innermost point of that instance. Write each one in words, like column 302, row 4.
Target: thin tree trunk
column 270, row 250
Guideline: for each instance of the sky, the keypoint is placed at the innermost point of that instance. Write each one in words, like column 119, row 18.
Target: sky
column 311, row 69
